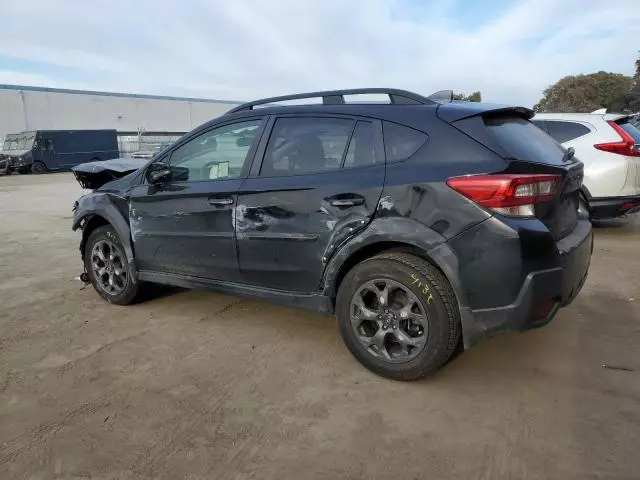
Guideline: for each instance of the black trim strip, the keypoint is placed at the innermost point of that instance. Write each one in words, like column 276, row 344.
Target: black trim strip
column 159, row 233
column 311, row 301
column 294, row 237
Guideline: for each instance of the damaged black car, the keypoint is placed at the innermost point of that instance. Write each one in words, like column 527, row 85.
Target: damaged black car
column 423, row 224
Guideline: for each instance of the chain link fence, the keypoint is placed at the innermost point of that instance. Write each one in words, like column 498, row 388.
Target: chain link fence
column 150, row 143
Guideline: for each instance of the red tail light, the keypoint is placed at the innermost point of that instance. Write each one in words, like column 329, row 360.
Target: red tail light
column 625, row 147
column 513, row 195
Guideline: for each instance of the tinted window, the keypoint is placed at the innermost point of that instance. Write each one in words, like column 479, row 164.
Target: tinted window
column 522, row 140
column 540, row 124
column 217, row 154
column 630, row 129
column 299, row 146
column 361, row 150
column 565, row 131
column 401, row 142
column 48, row 145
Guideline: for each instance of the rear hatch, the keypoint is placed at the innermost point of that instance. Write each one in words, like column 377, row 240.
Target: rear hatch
column 528, row 150
column 629, row 146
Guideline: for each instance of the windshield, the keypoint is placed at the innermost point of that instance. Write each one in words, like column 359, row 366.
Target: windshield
column 11, row 142
column 19, row 141
column 25, row 141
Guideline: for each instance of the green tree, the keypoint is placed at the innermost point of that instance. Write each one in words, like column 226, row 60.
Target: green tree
column 633, row 98
column 586, row 93
column 474, row 97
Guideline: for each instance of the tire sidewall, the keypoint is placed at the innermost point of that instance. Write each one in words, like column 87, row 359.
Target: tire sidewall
column 109, row 233
column 437, row 315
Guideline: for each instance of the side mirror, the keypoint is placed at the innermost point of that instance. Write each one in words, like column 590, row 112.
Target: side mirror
column 158, row 172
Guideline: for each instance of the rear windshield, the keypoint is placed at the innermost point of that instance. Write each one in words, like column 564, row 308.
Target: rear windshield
column 522, row 140
column 630, row 129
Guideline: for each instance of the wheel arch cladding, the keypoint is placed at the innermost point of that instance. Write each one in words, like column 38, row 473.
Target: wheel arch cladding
column 410, row 237
column 383, row 234
column 91, row 222
column 96, row 210
column 370, row 251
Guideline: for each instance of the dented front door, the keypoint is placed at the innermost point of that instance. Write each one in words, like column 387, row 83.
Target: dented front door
column 185, row 228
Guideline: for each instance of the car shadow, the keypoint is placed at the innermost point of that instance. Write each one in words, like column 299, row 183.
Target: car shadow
column 626, row 221
column 150, row 291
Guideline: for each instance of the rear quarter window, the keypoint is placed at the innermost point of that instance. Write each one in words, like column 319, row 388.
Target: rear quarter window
column 401, row 142
column 566, row 131
column 522, row 140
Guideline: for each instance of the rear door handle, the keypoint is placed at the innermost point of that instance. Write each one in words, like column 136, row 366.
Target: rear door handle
column 220, row 202
column 347, row 202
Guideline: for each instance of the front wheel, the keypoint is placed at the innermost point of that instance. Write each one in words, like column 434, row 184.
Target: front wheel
column 107, row 267
column 398, row 316
column 38, row 167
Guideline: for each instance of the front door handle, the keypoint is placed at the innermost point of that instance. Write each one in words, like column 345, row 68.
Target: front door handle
column 347, row 202
column 220, row 202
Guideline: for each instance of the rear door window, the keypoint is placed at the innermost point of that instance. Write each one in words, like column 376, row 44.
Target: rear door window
column 306, row 145
column 522, row 140
column 361, row 152
column 566, row 131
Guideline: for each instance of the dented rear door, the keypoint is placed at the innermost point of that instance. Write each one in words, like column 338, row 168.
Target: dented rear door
column 319, row 183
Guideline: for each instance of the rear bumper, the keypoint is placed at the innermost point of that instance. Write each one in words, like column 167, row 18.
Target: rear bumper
column 542, row 291
column 610, row 207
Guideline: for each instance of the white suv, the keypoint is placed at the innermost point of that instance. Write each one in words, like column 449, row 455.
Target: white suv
column 609, row 147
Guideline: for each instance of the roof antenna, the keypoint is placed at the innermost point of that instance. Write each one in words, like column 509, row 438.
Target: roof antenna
column 443, row 96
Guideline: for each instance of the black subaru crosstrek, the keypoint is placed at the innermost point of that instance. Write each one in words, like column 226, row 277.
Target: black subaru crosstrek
column 421, row 223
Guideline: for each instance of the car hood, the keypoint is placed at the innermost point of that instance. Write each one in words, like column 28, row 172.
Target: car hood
column 93, row 175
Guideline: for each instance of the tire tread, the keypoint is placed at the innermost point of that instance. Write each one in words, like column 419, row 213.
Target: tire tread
column 453, row 326
column 128, row 296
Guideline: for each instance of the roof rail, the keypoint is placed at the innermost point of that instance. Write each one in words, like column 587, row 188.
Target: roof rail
column 336, row 97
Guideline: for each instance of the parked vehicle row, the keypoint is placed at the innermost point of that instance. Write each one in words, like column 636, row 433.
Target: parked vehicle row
column 422, row 224
column 609, row 147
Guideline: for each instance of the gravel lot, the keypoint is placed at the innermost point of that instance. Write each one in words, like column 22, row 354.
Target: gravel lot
column 203, row 385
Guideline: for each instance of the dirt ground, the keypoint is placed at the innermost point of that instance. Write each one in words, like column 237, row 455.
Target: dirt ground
column 209, row 386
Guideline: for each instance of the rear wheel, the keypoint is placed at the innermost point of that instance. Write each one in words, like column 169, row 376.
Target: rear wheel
column 38, row 167
column 107, row 267
column 398, row 316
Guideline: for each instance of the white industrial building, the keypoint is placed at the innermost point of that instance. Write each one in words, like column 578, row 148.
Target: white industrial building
column 35, row 108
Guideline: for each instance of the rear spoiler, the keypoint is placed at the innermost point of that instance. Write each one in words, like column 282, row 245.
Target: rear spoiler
column 452, row 112
column 443, row 96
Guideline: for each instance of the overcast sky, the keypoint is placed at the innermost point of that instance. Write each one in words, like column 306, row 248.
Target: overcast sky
column 242, row 49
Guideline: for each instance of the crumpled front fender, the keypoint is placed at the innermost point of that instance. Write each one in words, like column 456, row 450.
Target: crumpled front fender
column 114, row 210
